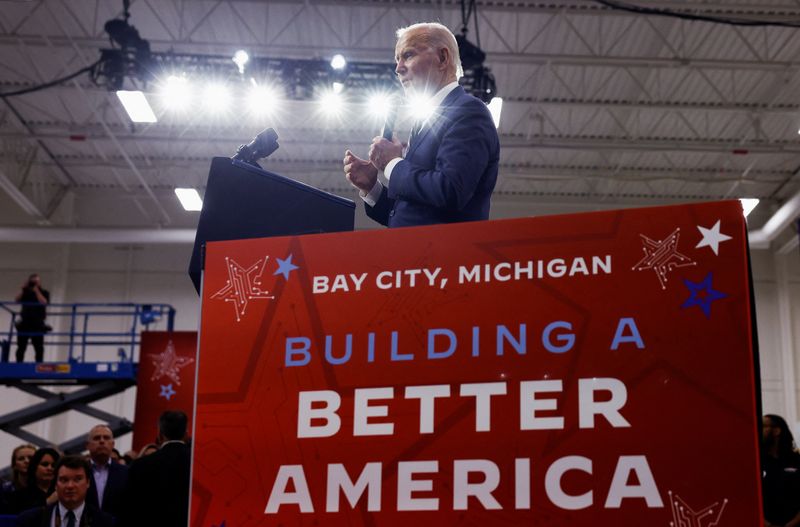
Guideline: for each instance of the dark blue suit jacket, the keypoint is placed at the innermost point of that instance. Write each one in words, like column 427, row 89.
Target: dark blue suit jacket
column 449, row 171
column 40, row 517
column 114, row 495
column 158, row 488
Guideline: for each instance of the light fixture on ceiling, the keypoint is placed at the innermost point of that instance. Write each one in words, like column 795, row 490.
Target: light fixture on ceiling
column 216, row 98
column 176, row 93
column 241, row 58
column 338, row 62
column 135, row 103
column 748, row 204
column 262, row 100
column 421, row 107
column 189, row 198
column 331, row 103
column 379, row 105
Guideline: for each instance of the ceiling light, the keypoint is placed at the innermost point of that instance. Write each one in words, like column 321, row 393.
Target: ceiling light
column 176, row 93
column 331, row 103
column 240, row 58
column 338, row 62
column 136, row 105
column 495, row 107
column 262, row 100
column 421, row 107
column 748, row 204
column 216, row 98
column 379, row 105
column 189, row 198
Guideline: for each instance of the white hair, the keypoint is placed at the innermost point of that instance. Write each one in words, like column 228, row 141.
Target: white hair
column 439, row 36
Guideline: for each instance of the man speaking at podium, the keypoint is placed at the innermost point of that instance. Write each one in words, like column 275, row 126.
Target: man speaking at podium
column 449, row 170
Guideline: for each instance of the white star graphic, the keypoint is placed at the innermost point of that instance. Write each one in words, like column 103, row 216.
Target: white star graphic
column 712, row 237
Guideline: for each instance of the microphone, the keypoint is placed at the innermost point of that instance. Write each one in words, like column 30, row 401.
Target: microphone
column 262, row 145
column 388, row 124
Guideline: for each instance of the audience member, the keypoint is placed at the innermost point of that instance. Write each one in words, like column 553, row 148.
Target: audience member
column 146, row 450
column 780, row 468
column 39, row 489
column 130, row 456
column 20, row 459
column 32, row 317
column 108, row 480
column 116, row 457
column 161, row 480
column 70, row 508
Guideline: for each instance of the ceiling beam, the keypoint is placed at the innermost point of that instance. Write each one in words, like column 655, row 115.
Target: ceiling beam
column 384, row 54
column 556, row 142
column 103, row 236
column 19, row 198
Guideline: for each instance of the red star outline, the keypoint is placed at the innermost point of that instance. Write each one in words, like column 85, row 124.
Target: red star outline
column 168, row 364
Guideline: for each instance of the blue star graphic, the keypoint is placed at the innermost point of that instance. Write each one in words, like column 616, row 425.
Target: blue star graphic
column 285, row 267
column 702, row 295
column 167, row 392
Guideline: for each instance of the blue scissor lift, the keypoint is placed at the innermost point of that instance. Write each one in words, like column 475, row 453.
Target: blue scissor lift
column 99, row 362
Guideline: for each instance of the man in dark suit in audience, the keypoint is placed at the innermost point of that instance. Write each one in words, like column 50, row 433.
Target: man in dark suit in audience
column 449, row 171
column 158, row 484
column 108, row 479
column 71, row 510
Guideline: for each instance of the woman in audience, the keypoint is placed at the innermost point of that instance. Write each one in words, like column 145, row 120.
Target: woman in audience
column 40, row 489
column 20, row 459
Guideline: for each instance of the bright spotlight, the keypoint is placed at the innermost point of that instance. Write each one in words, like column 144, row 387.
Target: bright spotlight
column 495, row 107
column 421, row 107
column 748, row 204
column 337, row 87
column 338, row 62
column 189, row 198
column 379, row 105
column 262, row 100
column 176, row 93
column 240, row 58
column 216, row 98
column 331, row 103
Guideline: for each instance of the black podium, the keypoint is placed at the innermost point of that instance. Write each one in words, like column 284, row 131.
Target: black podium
column 243, row 201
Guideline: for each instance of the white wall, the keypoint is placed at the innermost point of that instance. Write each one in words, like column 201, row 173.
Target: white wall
column 97, row 274
column 777, row 289
column 157, row 274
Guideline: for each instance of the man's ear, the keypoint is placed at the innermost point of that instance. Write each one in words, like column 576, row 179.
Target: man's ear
column 444, row 56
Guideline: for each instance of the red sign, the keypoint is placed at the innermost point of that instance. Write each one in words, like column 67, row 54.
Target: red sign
column 167, row 369
column 580, row 370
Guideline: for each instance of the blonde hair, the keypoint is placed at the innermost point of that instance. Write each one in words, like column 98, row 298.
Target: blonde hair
column 16, row 477
column 439, row 36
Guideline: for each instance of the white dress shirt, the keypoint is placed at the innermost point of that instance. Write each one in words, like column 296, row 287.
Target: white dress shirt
column 100, row 473
column 373, row 195
column 61, row 511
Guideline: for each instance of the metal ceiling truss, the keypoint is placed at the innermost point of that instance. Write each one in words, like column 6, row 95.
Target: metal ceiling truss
column 580, row 81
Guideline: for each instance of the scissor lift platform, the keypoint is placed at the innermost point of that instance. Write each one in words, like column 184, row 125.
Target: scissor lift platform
column 93, row 380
